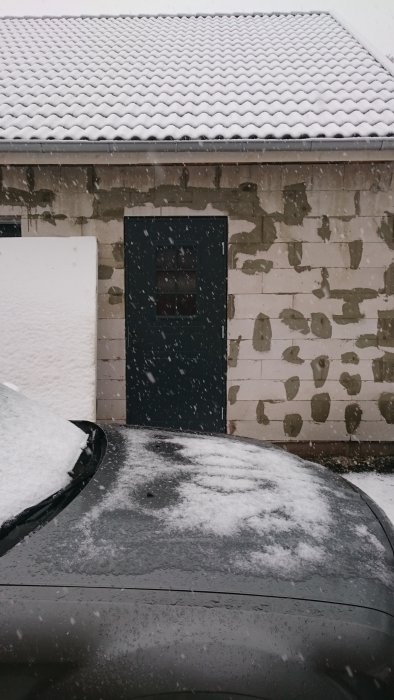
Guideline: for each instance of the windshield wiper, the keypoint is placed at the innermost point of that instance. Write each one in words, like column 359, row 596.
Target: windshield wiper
column 15, row 529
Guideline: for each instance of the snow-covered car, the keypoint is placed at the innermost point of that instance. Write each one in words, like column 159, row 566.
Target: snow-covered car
column 144, row 563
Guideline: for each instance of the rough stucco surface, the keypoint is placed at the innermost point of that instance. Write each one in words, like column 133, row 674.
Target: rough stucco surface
column 310, row 281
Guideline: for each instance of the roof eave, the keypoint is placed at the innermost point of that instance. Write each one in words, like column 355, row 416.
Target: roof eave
column 202, row 146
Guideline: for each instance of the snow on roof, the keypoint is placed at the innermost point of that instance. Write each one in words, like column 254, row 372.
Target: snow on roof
column 297, row 75
column 37, row 450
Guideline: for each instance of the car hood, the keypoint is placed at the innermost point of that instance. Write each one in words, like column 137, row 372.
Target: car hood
column 211, row 513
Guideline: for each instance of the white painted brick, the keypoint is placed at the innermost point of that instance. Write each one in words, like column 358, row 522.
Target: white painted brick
column 370, row 410
column 364, row 369
column 60, row 227
column 311, row 347
column 111, row 369
column 332, row 203
column 296, row 174
column 250, row 305
column 240, row 283
column 245, row 369
column 306, row 232
column 270, row 177
column 201, row 176
column 376, row 255
column 310, row 303
column 251, row 429
column 376, row 203
column 328, row 431
column 105, row 231
column 370, row 391
column 282, row 370
column 168, row 175
column 246, row 410
column 278, row 254
column 144, row 210
column 111, row 349
column 328, row 254
column 370, row 307
column 247, row 351
column 14, row 177
column 73, row 204
column 242, row 410
column 328, row 176
column 375, row 430
column 236, row 226
column 114, row 410
column 7, row 210
column 291, row 282
column 368, row 176
column 109, row 176
column 240, row 327
column 116, row 279
column 111, row 389
column 138, row 177
column 70, row 179
column 106, row 256
column 107, row 310
column 352, row 331
column 234, row 175
column 111, row 328
column 363, row 228
column 259, row 389
column 149, row 210
column 271, row 201
column 371, row 277
column 245, row 328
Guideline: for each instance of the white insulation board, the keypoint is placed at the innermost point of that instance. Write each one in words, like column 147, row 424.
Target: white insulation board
column 48, row 321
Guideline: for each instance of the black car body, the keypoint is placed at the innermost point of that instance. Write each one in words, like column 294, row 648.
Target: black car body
column 199, row 566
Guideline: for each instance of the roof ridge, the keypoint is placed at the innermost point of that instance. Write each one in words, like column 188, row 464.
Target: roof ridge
column 142, row 15
column 373, row 51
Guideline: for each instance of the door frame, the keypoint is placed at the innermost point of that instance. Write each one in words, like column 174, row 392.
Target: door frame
column 151, row 211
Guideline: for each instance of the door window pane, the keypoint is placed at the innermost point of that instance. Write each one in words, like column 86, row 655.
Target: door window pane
column 176, row 281
column 165, row 305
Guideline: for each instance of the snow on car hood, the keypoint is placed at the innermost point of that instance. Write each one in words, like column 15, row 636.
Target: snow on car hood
column 174, row 511
column 37, row 450
column 274, row 513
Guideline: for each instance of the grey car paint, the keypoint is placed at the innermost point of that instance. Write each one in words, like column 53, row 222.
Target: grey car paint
column 129, row 610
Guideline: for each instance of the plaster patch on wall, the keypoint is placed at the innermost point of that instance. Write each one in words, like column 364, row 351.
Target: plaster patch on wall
column 292, row 387
column 320, row 368
column 292, row 424
column 234, row 351
column 350, row 358
column 353, row 415
column 232, row 394
column 321, row 325
column 295, row 320
column 262, row 333
column 383, row 368
column 356, row 253
column 291, row 354
column 251, row 267
column 261, row 417
column 351, row 382
column 386, row 406
column 320, row 407
column 324, row 230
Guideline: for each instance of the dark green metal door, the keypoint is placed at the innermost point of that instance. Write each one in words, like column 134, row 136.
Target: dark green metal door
column 176, row 290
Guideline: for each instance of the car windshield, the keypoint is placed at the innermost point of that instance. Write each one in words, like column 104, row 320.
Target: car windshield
column 38, row 450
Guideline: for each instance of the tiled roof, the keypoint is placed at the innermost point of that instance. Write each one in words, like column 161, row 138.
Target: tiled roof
column 297, row 75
